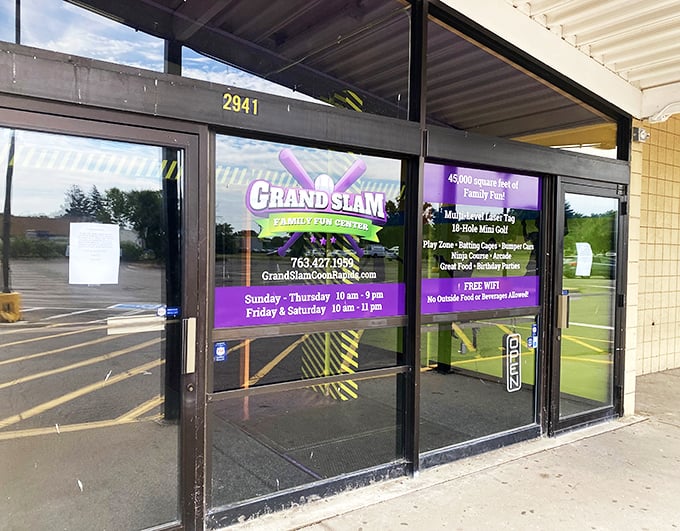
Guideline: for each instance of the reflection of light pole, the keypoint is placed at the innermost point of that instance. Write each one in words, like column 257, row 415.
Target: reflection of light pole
column 7, row 212
column 6, row 216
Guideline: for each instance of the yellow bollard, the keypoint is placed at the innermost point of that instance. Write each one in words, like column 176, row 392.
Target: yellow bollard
column 10, row 307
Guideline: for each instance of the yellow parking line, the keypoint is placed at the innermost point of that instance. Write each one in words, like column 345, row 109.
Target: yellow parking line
column 582, row 343
column 41, row 338
column 56, row 351
column 236, row 347
column 504, row 328
column 45, row 406
column 593, row 339
column 273, row 363
column 461, row 335
column 140, row 409
column 67, row 428
column 490, row 358
column 84, row 363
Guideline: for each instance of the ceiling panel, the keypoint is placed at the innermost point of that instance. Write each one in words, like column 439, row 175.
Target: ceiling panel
column 639, row 41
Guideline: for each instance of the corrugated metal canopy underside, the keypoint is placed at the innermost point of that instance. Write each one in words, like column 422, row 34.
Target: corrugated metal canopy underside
column 638, row 41
column 323, row 47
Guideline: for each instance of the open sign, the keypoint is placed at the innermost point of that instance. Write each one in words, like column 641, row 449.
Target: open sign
column 512, row 352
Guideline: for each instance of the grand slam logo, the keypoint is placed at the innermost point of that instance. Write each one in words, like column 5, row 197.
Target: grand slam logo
column 319, row 206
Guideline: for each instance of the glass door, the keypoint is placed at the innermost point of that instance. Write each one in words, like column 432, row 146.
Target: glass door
column 90, row 335
column 586, row 306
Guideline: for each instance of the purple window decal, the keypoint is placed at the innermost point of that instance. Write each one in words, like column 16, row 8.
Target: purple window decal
column 306, row 235
column 273, row 305
column 480, row 240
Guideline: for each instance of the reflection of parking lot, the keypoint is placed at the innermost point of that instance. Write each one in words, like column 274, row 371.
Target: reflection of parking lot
column 81, row 410
column 58, row 380
column 44, row 287
column 59, row 368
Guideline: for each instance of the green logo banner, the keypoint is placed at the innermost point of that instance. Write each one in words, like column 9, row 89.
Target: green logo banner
column 318, row 222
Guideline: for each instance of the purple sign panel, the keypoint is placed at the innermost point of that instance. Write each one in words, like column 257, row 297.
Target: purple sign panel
column 274, row 305
column 467, row 186
column 480, row 240
column 448, row 295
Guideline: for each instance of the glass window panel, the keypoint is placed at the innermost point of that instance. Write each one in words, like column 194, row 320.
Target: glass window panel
column 7, row 31
column 248, row 363
column 89, row 379
column 477, row 379
column 481, row 240
column 197, row 66
column 473, row 88
column 588, row 280
column 481, row 253
column 353, row 55
column 266, row 444
column 305, row 234
column 78, row 31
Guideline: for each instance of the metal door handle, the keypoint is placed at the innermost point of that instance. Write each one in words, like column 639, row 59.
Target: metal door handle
column 563, row 311
column 189, row 344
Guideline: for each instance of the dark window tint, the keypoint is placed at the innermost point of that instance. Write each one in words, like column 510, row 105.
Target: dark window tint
column 264, row 444
column 470, row 87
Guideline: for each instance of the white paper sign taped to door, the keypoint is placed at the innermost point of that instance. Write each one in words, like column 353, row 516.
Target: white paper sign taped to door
column 94, row 253
column 584, row 259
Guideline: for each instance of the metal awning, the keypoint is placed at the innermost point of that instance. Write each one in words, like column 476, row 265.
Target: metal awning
column 361, row 48
column 627, row 52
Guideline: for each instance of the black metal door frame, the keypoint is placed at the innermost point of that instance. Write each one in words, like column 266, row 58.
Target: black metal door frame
column 553, row 424
column 57, row 118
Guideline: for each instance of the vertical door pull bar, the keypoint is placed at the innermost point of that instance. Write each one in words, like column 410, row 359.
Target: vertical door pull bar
column 563, row 310
column 189, row 344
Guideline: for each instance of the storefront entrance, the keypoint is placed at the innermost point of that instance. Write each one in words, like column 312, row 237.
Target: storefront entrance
column 214, row 321
column 96, row 344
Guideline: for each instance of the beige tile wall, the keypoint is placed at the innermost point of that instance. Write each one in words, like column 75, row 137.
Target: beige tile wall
column 656, row 331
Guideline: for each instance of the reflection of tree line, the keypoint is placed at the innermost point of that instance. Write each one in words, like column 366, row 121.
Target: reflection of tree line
column 599, row 230
column 137, row 210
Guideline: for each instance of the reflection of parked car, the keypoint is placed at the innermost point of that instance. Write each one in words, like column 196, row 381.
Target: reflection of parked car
column 392, row 253
column 316, row 252
column 604, row 265
column 375, row 251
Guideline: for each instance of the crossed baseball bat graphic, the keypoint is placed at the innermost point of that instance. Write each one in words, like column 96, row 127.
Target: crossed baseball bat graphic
column 292, row 164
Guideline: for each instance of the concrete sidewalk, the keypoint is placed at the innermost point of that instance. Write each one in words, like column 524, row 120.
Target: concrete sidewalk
column 623, row 474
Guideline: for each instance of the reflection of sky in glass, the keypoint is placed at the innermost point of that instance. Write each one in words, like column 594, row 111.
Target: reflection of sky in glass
column 77, row 31
column 197, row 66
column 588, row 205
column 7, row 20
column 47, row 165
column 606, row 153
column 241, row 161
